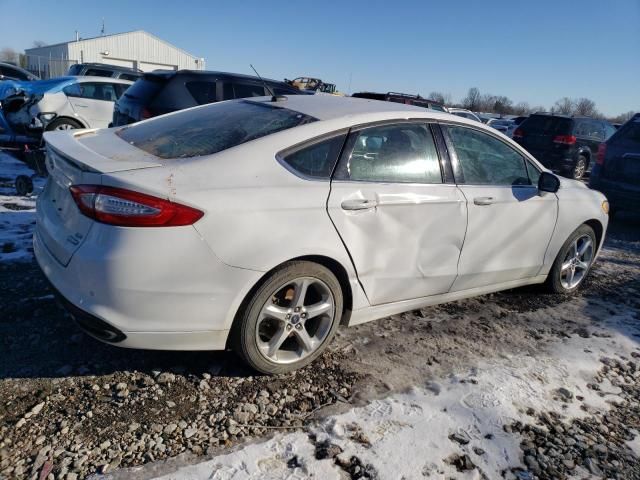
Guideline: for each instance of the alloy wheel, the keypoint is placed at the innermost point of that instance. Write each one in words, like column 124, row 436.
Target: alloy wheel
column 577, row 262
column 64, row 126
column 295, row 321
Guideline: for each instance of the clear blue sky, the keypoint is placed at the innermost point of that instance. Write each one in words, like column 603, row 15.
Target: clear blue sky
column 535, row 50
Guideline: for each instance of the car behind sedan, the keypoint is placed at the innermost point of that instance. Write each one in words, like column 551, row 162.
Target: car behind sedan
column 263, row 225
column 616, row 172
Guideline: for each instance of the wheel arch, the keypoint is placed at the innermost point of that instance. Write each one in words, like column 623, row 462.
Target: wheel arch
column 80, row 122
column 334, row 267
column 598, row 229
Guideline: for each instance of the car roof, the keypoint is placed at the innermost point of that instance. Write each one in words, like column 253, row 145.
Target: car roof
column 328, row 107
column 89, row 78
column 207, row 73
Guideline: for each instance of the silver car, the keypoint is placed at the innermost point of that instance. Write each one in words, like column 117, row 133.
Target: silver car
column 63, row 103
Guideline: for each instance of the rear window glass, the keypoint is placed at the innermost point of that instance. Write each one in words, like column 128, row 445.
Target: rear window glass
column 210, row 129
column 546, row 125
column 629, row 132
column 145, row 89
column 202, row 92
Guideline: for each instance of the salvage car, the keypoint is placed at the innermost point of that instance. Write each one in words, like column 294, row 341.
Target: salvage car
column 616, row 172
column 263, row 225
column 164, row 91
column 29, row 108
column 564, row 143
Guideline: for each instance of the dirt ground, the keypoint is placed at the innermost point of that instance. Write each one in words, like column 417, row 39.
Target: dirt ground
column 72, row 406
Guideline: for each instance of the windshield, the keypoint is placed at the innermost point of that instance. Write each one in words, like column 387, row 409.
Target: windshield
column 210, row 129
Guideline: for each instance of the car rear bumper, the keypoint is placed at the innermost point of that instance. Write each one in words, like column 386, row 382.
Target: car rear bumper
column 173, row 294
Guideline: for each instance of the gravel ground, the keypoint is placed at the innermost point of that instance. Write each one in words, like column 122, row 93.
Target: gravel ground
column 72, row 406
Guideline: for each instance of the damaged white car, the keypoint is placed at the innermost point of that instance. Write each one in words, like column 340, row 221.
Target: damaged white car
column 29, row 108
column 262, row 224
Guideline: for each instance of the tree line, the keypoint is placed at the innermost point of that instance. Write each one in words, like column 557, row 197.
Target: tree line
column 474, row 101
column 502, row 105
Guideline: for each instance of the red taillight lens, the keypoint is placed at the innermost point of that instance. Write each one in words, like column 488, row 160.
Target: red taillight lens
column 565, row 139
column 126, row 208
column 602, row 151
column 518, row 133
column 146, row 113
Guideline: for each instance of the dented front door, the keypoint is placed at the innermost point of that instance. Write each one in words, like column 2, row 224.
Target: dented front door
column 402, row 226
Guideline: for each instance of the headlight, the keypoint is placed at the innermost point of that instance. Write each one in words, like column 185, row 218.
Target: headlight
column 605, row 206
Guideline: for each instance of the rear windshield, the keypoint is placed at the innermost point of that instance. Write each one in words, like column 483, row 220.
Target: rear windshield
column 210, row 129
column 546, row 125
column 145, row 89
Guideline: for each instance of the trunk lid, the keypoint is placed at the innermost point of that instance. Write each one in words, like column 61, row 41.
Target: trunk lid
column 79, row 157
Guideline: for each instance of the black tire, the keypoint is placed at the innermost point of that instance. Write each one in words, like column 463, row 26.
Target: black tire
column 554, row 283
column 24, row 185
column 244, row 339
column 60, row 123
column 580, row 168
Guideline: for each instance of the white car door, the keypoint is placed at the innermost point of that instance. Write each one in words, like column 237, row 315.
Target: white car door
column 510, row 222
column 93, row 102
column 403, row 227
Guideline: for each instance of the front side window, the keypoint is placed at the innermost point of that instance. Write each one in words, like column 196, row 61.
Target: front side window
column 316, row 160
column 485, row 160
column 210, row 129
column 402, row 153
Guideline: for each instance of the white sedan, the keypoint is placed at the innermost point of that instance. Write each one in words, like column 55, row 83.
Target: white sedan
column 262, row 224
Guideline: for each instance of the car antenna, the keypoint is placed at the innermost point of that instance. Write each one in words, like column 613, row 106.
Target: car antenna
column 274, row 97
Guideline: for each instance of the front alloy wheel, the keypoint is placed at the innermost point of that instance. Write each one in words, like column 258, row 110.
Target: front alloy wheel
column 290, row 319
column 573, row 261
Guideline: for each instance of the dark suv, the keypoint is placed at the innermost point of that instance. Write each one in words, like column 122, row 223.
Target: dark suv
column 164, row 91
column 563, row 143
column 105, row 70
column 616, row 172
column 405, row 98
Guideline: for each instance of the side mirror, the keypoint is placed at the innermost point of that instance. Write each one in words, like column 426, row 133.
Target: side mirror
column 548, row 182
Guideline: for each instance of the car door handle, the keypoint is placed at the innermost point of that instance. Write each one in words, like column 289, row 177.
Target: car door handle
column 483, row 200
column 80, row 105
column 359, row 204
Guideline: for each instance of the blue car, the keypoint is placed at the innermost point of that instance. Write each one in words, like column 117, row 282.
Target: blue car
column 616, row 172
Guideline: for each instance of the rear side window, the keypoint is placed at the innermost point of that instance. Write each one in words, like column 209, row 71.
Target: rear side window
column 202, row 92
column 92, row 90
column 485, row 160
column 546, row 125
column 315, row 160
column 210, row 129
column 402, row 153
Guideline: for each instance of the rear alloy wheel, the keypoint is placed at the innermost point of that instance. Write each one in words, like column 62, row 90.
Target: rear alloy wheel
column 291, row 318
column 580, row 169
column 63, row 124
column 573, row 261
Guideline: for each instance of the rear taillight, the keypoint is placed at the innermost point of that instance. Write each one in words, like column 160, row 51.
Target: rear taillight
column 518, row 133
column 565, row 139
column 602, row 151
column 126, row 208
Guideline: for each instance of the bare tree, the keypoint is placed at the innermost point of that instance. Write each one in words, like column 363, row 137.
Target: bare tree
column 472, row 100
column 623, row 117
column 565, row 106
column 585, row 107
column 502, row 105
column 521, row 108
column 39, row 43
column 444, row 98
column 8, row 54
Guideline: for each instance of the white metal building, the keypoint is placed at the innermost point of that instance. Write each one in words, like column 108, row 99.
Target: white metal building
column 137, row 49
